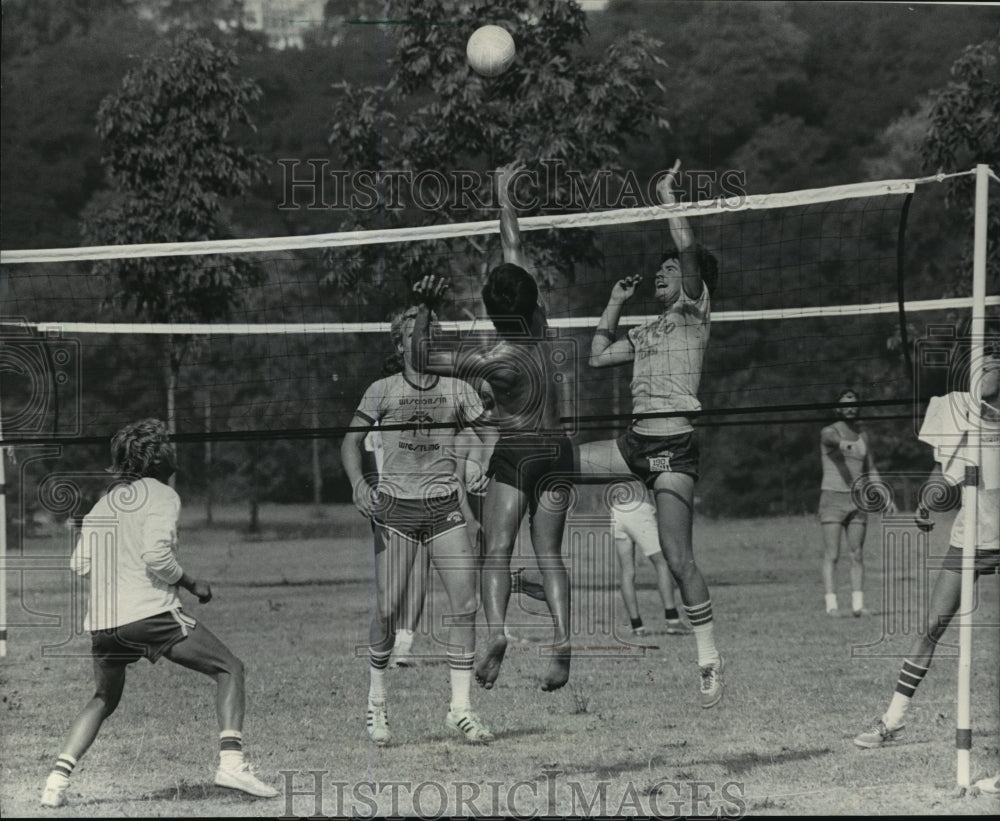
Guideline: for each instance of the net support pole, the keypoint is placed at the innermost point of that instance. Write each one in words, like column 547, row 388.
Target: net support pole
column 3, row 551
column 970, row 490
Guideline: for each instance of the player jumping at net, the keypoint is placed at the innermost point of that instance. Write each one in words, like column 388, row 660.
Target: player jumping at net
column 845, row 455
column 417, row 507
column 533, row 452
column 127, row 547
column 667, row 354
column 946, row 424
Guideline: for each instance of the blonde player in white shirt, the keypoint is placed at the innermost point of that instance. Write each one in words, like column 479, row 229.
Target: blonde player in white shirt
column 417, row 510
column 127, row 547
column 667, row 356
column 946, row 425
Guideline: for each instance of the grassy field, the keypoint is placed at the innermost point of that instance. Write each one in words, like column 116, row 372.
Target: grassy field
column 626, row 737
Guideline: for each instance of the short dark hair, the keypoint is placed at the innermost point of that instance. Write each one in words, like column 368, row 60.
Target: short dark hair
column 708, row 264
column 841, row 395
column 511, row 298
column 143, row 449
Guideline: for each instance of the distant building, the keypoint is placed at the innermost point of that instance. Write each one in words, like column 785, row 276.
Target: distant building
column 284, row 22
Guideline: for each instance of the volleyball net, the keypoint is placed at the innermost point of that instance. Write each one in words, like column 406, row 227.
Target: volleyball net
column 812, row 297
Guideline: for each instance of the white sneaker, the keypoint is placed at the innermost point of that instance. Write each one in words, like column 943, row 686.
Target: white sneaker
column 378, row 723
column 54, row 795
column 989, row 786
column 470, row 725
column 711, row 683
column 243, row 778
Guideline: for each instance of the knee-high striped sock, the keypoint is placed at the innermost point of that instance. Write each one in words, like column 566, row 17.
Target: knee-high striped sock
column 910, row 676
column 378, row 661
column 63, row 769
column 700, row 617
column 230, row 749
column 460, row 671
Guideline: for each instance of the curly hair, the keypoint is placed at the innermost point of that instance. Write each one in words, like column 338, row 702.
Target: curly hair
column 143, row 449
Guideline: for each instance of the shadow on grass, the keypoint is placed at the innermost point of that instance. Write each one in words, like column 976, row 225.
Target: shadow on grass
column 179, row 792
column 302, row 583
column 734, row 765
column 743, row 762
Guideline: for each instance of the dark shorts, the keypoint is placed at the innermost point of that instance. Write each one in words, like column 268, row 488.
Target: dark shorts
column 986, row 563
column 531, row 462
column 419, row 520
column 147, row 638
column 838, row 507
column 649, row 456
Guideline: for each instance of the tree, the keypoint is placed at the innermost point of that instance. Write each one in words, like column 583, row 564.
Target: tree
column 436, row 116
column 172, row 157
column 965, row 131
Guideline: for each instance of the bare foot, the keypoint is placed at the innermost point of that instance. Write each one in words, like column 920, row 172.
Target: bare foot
column 489, row 667
column 558, row 673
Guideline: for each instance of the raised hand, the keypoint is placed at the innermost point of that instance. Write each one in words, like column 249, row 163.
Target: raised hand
column 431, row 289
column 624, row 289
column 665, row 187
column 505, row 175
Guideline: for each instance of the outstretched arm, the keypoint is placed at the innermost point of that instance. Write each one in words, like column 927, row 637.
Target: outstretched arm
column 461, row 358
column 681, row 234
column 510, row 231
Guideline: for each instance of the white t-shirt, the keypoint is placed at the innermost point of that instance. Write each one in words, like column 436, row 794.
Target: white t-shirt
column 666, row 371
column 419, row 461
column 946, row 427
column 128, row 546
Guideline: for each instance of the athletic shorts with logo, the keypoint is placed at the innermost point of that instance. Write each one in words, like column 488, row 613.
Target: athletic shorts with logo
column 531, row 462
column 649, row 456
column 419, row 520
column 149, row 638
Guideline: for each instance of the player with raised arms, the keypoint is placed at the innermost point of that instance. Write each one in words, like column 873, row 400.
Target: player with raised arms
column 660, row 446
column 533, row 452
column 127, row 548
column 417, row 506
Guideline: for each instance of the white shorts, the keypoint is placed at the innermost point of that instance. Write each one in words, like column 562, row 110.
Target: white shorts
column 638, row 523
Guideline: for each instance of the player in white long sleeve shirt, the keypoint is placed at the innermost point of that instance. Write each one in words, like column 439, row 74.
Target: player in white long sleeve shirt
column 127, row 547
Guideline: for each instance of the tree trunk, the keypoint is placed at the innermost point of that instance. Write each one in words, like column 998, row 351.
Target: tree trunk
column 316, row 471
column 171, row 366
column 208, row 457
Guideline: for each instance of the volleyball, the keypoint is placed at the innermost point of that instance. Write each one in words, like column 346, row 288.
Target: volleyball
column 490, row 50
